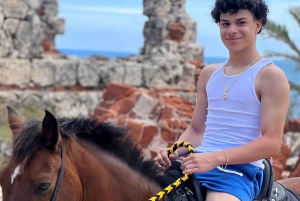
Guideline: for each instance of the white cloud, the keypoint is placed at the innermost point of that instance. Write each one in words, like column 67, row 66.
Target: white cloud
column 98, row 9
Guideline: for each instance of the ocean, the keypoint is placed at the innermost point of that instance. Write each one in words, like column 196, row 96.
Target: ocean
column 287, row 66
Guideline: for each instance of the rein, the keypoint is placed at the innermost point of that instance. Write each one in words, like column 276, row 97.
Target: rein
column 182, row 179
column 60, row 175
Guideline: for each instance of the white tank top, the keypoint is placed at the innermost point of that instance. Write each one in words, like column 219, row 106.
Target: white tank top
column 236, row 121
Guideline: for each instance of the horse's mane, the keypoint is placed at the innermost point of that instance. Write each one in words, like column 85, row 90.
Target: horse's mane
column 104, row 135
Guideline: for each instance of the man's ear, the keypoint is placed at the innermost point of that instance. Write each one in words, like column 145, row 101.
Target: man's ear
column 258, row 26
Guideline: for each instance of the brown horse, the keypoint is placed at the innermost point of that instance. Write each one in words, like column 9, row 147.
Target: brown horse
column 75, row 160
column 79, row 160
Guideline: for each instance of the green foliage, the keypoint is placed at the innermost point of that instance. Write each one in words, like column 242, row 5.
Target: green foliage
column 295, row 12
column 279, row 32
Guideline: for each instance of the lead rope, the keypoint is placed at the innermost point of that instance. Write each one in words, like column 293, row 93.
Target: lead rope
column 182, row 179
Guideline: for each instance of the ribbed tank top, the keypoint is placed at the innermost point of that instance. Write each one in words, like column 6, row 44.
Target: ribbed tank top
column 236, row 121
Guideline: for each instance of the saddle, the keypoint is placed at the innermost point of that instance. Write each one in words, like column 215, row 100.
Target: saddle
column 191, row 190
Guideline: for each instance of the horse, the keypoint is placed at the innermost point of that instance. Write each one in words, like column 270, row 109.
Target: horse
column 80, row 160
column 75, row 160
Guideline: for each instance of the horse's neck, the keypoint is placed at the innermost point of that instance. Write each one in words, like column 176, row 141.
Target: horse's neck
column 105, row 176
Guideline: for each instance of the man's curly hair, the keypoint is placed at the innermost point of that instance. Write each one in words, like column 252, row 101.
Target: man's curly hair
column 258, row 8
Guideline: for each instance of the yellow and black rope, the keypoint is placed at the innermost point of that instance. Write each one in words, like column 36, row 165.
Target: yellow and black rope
column 169, row 188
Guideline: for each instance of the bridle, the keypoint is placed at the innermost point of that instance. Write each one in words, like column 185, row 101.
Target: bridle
column 60, row 175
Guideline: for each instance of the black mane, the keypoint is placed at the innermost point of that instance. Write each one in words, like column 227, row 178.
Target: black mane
column 104, row 135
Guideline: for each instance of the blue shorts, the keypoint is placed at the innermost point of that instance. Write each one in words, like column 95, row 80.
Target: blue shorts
column 244, row 182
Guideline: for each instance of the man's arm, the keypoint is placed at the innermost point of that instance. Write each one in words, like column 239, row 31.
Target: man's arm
column 194, row 133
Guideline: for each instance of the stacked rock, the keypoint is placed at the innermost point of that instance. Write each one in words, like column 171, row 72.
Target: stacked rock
column 170, row 41
column 25, row 25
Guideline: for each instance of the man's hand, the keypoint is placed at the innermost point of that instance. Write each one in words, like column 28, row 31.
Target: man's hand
column 201, row 162
column 163, row 159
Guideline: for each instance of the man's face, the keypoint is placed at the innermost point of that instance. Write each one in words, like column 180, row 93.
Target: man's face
column 238, row 31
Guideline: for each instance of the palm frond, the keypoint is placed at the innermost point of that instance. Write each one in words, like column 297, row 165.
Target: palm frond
column 295, row 86
column 279, row 32
column 295, row 12
column 283, row 55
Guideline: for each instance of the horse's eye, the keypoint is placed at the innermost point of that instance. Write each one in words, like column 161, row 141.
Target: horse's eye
column 42, row 188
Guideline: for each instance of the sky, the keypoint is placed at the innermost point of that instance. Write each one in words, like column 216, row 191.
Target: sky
column 117, row 25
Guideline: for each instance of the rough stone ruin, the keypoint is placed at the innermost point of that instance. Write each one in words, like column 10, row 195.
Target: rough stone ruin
column 170, row 29
column 33, row 71
column 26, row 25
column 170, row 42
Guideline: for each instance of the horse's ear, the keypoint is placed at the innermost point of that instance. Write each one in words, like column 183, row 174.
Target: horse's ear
column 50, row 131
column 13, row 120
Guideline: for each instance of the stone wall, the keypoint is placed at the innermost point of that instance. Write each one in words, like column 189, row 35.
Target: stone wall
column 58, row 81
column 170, row 29
column 170, row 42
column 154, row 120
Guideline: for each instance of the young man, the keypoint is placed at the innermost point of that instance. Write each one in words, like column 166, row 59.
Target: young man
column 240, row 111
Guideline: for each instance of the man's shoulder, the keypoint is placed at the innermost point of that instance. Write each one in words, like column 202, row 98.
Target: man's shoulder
column 272, row 71
column 206, row 73
column 272, row 76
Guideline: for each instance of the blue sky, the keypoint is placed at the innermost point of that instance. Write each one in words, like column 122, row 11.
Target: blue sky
column 117, row 25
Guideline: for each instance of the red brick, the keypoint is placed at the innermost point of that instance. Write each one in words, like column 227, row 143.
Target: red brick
column 115, row 107
column 148, row 134
column 122, row 121
column 99, row 111
column 135, row 129
column 183, row 126
column 132, row 115
column 292, row 125
column 187, row 108
column 176, row 100
column 126, row 105
column 116, row 91
column 185, row 114
column 105, row 117
column 77, row 88
column 156, row 112
column 107, row 104
column 174, row 124
column 196, row 63
column 167, row 112
column 168, row 135
column 172, row 114
column 60, row 89
column 153, row 93
column 176, row 31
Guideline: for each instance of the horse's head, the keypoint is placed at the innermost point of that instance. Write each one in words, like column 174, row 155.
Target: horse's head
column 32, row 173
